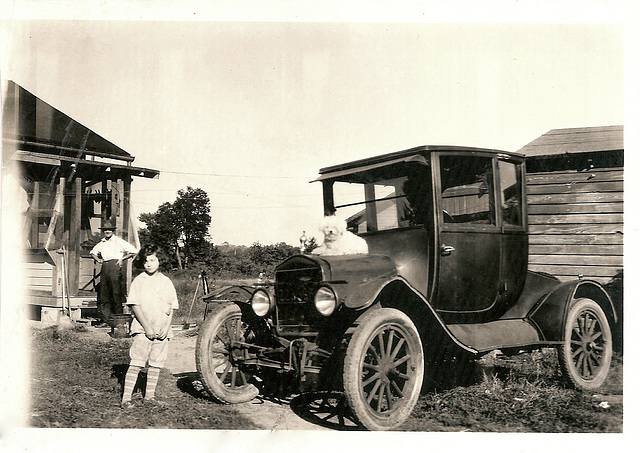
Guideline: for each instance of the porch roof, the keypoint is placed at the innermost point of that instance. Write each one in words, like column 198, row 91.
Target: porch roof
column 38, row 135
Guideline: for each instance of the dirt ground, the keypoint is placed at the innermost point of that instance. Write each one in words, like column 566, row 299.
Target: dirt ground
column 264, row 413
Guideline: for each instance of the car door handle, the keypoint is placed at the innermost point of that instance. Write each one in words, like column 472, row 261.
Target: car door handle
column 445, row 250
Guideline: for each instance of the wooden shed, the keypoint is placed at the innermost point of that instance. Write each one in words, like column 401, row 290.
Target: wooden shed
column 575, row 185
column 75, row 180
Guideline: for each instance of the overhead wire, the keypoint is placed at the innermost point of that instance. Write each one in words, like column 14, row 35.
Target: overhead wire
column 232, row 191
column 221, row 175
column 227, row 190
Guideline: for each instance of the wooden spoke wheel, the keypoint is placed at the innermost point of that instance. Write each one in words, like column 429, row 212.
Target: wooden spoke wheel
column 384, row 368
column 221, row 349
column 585, row 355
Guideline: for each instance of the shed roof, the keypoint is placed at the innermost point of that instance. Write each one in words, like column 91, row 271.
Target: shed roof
column 576, row 140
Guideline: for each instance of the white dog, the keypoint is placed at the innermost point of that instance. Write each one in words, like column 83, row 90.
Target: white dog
column 339, row 241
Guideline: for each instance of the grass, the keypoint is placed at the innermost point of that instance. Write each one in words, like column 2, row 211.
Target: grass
column 76, row 382
column 523, row 394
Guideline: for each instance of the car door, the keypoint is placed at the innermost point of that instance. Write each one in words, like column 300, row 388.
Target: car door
column 469, row 243
column 513, row 220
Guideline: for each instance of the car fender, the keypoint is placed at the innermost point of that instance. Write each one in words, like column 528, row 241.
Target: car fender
column 237, row 294
column 364, row 294
column 550, row 313
column 397, row 293
column 230, row 294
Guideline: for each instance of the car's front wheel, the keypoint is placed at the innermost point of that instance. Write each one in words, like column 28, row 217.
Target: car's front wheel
column 585, row 354
column 383, row 369
column 221, row 349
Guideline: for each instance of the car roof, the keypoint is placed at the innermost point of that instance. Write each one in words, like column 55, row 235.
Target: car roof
column 407, row 155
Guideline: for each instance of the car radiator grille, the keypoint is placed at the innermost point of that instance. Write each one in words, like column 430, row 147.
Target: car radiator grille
column 295, row 288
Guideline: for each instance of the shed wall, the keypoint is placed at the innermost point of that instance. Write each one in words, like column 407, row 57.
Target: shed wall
column 576, row 223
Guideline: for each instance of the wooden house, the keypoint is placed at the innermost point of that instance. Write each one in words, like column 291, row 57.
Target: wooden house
column 75, row 180
column 576, row 203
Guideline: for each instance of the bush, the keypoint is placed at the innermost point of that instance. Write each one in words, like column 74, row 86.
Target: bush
column 232, row 262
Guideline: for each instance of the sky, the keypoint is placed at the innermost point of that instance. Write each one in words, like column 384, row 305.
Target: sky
column 249, row 111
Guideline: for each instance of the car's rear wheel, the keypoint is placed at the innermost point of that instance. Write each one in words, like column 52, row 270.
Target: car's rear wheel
column 383, row 369
column 221, row 349
column 585, row 354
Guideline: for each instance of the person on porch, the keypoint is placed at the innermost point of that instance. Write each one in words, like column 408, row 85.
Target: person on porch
column 111, row 252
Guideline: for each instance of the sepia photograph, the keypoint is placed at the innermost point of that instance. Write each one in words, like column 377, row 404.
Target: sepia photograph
column 264, row 225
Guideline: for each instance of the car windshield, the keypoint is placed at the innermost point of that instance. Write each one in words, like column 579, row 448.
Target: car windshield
column 385, row 198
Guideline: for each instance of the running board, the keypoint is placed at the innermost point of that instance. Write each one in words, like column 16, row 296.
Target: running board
column 503, row 334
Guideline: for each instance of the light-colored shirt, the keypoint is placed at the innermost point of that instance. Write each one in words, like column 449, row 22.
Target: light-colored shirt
column 156, row 296
column 113, row 248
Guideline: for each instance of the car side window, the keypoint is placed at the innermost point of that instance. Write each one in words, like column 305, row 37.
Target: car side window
column 467, row 190
column 510, row 193
column 417, row 190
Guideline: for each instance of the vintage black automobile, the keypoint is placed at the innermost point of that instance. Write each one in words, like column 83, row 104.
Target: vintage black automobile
column 446, row 275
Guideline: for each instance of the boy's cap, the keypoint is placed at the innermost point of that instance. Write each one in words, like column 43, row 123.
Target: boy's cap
column 108, row 225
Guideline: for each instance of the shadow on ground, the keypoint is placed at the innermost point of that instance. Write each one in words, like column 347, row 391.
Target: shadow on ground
column 190, row 383
column 328, row 409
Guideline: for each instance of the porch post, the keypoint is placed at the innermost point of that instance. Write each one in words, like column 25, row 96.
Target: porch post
column 34, row 213
column 75, row 224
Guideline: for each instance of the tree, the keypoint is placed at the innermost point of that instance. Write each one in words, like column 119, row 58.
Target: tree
column 161, row 231
column 181, row 228
column 266, row 257
column 192, row 210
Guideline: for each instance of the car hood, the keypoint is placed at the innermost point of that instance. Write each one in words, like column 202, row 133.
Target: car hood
column 355, row 278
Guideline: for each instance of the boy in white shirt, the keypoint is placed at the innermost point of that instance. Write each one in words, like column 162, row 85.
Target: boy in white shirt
column 152, row 298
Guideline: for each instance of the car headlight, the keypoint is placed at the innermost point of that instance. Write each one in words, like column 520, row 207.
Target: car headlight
column 325, row 300
column 261, row 303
